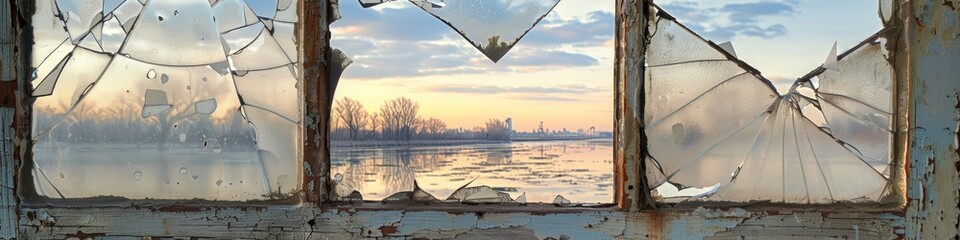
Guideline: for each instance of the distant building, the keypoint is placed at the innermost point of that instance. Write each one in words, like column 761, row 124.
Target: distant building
column 509, row 125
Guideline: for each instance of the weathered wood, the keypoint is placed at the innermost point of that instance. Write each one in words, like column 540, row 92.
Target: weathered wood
column 933, row 35
column 314, row 39
column 7, row 43
column 8, row 201
column 931, row 68
column 631, row 188
column 313, row 223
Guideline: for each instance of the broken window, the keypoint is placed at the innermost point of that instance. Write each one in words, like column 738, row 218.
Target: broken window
column 720, row 131
column 166, row 99
column 444, row 102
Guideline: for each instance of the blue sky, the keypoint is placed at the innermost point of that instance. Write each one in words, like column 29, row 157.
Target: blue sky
column 565, row 62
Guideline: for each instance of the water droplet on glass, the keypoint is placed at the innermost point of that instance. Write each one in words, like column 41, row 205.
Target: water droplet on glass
column 195, row 177
column 219, row 182
column 183, row 137
column 183, row 170
column 164, row 78
column 151, row 74
column 62, row 176
column 338, row 177
column 137, row 175
column 204, row 79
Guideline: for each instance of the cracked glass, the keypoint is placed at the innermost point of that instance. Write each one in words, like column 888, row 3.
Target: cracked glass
column 184, row 99
column 415, row 150
column 493, row 27
column 826, row 140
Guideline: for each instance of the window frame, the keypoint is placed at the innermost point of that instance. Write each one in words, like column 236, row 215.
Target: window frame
column 313, row 38
column 896, row 200
column 631, row 192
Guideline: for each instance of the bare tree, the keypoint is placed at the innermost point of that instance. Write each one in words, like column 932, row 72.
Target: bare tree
column 433, row 127
column 399, row 118
column 375, row 123
column 352, row 115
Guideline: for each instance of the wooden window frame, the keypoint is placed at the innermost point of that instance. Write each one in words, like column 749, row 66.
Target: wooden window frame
column 631, row 191
column 313, row 47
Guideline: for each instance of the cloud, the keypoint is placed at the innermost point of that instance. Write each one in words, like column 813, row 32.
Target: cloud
column 734, row 19
column 594, row 30
column 408, row 59
column 406, row 24
column 407, row 42
column 491, row 89
column 539, row 57
column 546, row 98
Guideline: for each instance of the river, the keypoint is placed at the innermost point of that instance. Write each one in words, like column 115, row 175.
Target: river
column 581, row 170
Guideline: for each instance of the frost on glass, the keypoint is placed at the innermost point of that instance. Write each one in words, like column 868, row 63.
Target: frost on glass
column 175, row 99
column 492, row 26
column 717, row 130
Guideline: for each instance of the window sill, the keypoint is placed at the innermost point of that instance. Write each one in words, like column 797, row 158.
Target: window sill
column 536, row 208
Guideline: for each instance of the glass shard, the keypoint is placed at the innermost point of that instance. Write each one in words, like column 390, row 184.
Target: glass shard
column 50, row 62
column 110, row 5
column 112, row 36
column 371, row 3
column 284, row 34
column 728, row 47
column 79, row 17
column 84, row 68
column 676, row 44
column 287, row 12
column 857, row 103
column 46, row 85
column 150, row 40
column 718, row 132
column 264, row 52
column 279, row 98
column 233, row 14
column 116, row 93
column 831, row 62
column 340, row 62
column 154, row 103
column 493, row 27
column 49, row 34
column 240, row 38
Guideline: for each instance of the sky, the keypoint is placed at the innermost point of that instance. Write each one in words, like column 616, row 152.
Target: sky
column 561, row 73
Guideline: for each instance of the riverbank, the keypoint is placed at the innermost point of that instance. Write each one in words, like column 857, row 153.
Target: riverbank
column 434, row 143
column 411, row 143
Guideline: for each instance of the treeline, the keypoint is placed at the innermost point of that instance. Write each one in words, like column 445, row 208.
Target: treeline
column 399, row 119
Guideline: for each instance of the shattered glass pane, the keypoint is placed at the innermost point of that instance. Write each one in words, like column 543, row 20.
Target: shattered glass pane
column 857, row 103
column 493, row 27
column 375, row 157
column 169, row 100
column 822, row 142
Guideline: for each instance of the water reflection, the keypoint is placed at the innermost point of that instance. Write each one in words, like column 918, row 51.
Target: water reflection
column 581, row 171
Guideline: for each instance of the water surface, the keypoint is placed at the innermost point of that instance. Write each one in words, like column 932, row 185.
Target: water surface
column 581, row 171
